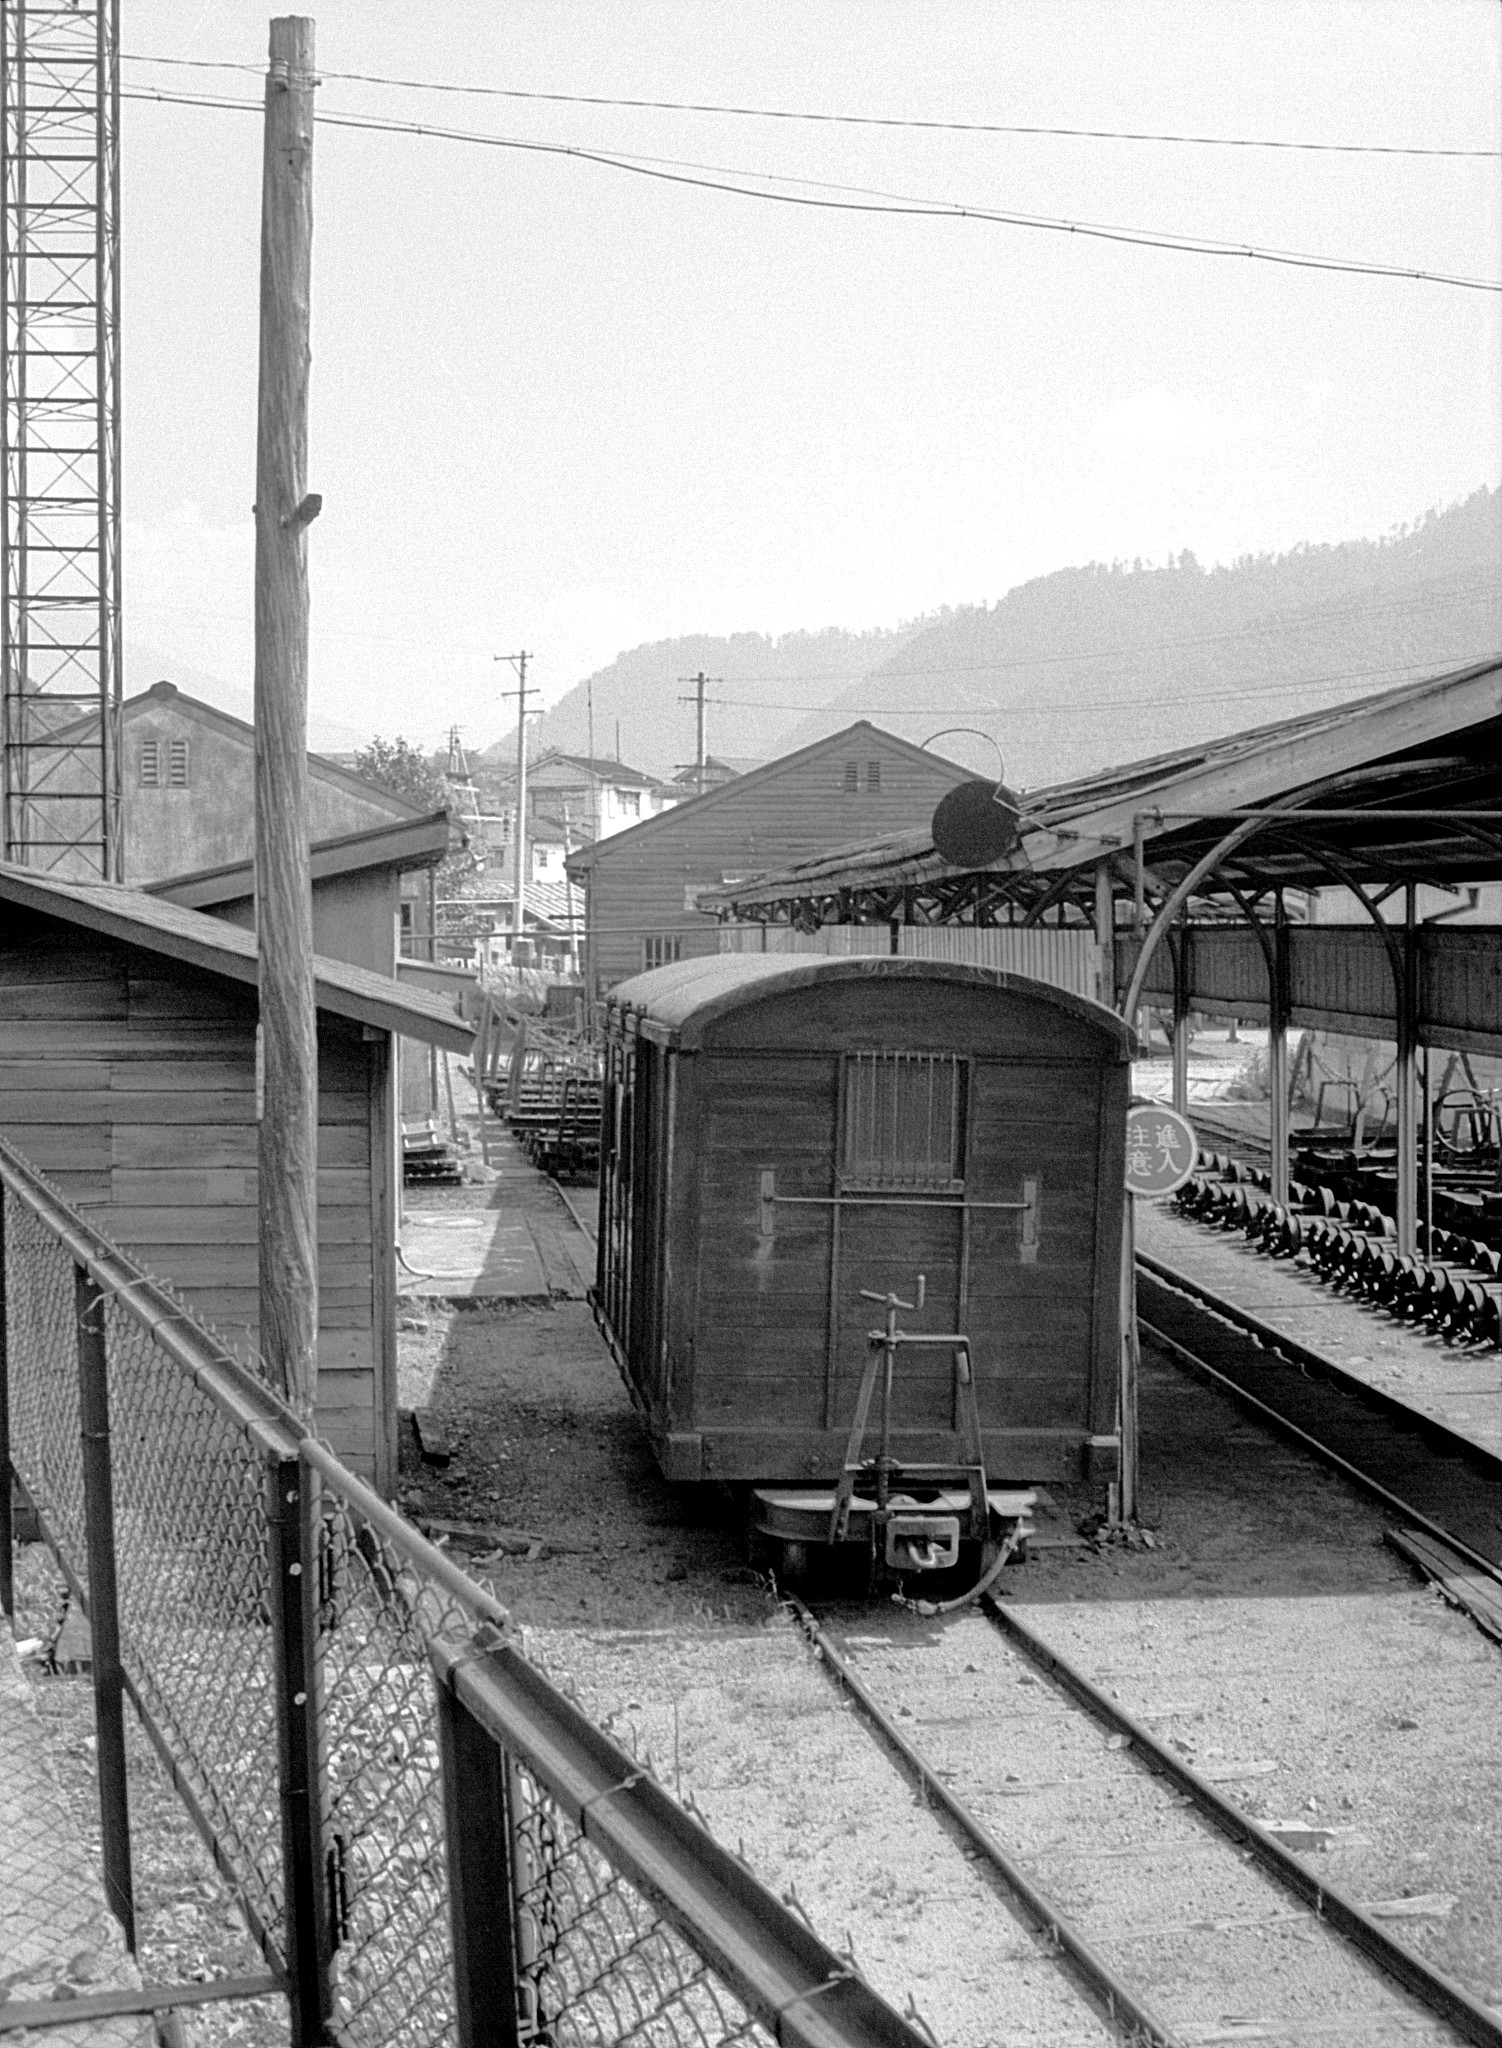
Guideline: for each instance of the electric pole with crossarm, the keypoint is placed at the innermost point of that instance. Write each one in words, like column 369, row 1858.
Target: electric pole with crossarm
column 521, row 693
column 700, row 682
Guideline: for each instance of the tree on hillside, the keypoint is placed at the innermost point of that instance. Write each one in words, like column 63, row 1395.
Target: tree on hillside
column 407, row 772
column 403, row 769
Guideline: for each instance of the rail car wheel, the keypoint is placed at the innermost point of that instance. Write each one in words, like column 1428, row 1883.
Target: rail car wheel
column 793, row 1562
column 758, row 1550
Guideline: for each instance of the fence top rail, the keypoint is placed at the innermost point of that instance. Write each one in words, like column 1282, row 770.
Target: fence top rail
column 803, row 1992
column 403, row 1538
column 247, row 1401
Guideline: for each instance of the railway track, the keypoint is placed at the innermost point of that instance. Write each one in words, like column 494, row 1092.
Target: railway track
column 1149, row 1889
column 1416, row 1469
column 1161, row 1900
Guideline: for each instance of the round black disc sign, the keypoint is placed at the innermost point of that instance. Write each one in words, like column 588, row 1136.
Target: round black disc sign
column 975, row 824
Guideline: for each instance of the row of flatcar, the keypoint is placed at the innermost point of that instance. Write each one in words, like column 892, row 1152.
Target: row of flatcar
column 860, row 1228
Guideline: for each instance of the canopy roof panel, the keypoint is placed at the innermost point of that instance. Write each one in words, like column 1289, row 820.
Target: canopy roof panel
column 1402, row 785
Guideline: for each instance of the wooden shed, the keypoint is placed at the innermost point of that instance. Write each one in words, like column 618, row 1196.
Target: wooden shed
column 782, row 1133
column 128, row 1074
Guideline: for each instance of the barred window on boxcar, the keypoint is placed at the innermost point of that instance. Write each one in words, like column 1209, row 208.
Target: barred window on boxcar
column 904, row 1124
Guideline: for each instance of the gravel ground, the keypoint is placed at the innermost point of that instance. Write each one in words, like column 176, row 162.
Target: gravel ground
column 187, row 1926
column 1268, row 1624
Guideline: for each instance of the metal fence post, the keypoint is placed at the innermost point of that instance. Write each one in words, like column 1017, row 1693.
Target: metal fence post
column 7, row 1482
column 482, row 1893
column 104, row 1607
column 291, row 1493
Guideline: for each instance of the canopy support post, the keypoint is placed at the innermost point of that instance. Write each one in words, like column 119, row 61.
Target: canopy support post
column 1277, row 1050
column 1407, row 1074
column 1105, row 936
column 1183, row 980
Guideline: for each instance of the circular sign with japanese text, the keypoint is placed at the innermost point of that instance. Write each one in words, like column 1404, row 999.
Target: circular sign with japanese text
column 1161, row 1149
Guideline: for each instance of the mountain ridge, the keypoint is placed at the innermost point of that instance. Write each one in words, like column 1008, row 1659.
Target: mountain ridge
column 1077, row 669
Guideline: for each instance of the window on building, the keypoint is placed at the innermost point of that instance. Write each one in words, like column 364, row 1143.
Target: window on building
column 177, row 764
column 151, row 764
column 873, row 775
column 904, row 1121
column 630, row 802
column 662, row 951
column 852, row 777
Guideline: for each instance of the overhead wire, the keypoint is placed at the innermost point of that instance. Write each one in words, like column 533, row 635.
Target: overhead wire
column 821, row 196
column 1074, row 706
column 898, row 121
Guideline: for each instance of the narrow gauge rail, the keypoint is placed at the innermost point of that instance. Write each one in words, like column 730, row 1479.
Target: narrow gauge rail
column 1135, row 1754
column 1190, row 1845
column 1416, row 1468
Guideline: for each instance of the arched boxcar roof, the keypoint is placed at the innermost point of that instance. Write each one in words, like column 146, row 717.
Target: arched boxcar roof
column 676, row 1005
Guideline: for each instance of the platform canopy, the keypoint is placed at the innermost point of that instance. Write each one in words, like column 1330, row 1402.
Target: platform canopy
column 1402, row 786
column 1192, row 873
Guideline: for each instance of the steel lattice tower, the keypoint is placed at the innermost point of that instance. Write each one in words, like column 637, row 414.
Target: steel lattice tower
column 59, row 129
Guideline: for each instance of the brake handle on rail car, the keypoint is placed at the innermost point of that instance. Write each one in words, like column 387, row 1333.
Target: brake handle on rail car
column 895, row 1301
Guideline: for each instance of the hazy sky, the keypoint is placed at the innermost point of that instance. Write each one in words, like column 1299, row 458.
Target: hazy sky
column 564, row 407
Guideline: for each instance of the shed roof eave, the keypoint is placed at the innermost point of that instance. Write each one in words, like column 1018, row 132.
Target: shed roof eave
column 177, row 933
column 404, row 844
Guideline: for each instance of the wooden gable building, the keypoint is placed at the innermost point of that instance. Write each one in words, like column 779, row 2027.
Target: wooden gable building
column 128, row 1075
column 357, row 888
column 642, row 885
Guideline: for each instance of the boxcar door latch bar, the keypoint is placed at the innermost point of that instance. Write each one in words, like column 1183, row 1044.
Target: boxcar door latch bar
column 1027, row 1208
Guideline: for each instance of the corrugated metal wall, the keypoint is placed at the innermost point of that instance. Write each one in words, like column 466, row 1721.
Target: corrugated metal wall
column 1064, row 959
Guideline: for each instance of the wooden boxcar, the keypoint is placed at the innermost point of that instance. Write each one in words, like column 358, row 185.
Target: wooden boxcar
column 785, row 1136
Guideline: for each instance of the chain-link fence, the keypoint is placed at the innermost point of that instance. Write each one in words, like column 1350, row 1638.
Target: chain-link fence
column 422, row 1862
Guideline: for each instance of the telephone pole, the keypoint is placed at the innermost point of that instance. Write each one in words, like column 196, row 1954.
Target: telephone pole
column 521, row 693
column 288, row 1145
column 700, row 683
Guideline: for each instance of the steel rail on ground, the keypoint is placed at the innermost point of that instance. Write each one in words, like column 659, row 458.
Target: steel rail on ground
column 1441, row 1994
column 1108, row 1993
column 1273, row 1340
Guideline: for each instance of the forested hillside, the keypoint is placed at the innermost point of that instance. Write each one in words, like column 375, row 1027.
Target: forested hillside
column 1086, row 666
column 1098, row 665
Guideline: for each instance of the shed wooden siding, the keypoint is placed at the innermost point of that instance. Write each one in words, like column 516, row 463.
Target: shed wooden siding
column 639, row 880
column 354, row 917
column 130, row 1082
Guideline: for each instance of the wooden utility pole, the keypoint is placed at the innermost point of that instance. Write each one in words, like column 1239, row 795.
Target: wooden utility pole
column 521, row 693
column 288, row 1152
column 700, row 682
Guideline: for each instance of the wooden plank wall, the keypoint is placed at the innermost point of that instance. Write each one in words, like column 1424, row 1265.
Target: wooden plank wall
column 1341, row 980
column 131, row 1083
column 640, row 879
